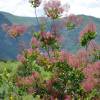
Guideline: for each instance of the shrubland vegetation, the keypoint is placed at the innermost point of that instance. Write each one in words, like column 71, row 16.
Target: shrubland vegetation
column 45, row 71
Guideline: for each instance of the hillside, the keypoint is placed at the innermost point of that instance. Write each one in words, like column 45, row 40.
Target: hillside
column 9, row 48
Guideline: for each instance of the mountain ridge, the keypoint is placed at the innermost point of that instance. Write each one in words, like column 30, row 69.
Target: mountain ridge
column 9, row 47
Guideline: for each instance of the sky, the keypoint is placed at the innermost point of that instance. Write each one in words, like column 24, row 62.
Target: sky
column 23, row 7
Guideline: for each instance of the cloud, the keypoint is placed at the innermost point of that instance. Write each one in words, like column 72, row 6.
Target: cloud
column 18, row 7
column 23, row 8
column 87, row 7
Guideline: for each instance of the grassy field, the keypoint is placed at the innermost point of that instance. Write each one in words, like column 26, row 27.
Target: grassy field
column 9, row 65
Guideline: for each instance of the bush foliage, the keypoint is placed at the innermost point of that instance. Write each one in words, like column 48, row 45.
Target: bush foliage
column 45, row 71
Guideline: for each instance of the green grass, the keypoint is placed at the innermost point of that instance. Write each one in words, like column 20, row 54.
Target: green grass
column 10, row 65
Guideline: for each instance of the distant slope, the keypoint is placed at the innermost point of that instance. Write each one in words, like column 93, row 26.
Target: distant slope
column 9, row 48
column 5, row 43
column 19, row 20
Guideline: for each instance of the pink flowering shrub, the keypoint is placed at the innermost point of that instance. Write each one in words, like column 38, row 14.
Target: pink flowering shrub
column 87, row 34
column 14, row 30
column 54, row 9
column 35, row 3
column 90, row 72
column 47, row 72
column 73, row 21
